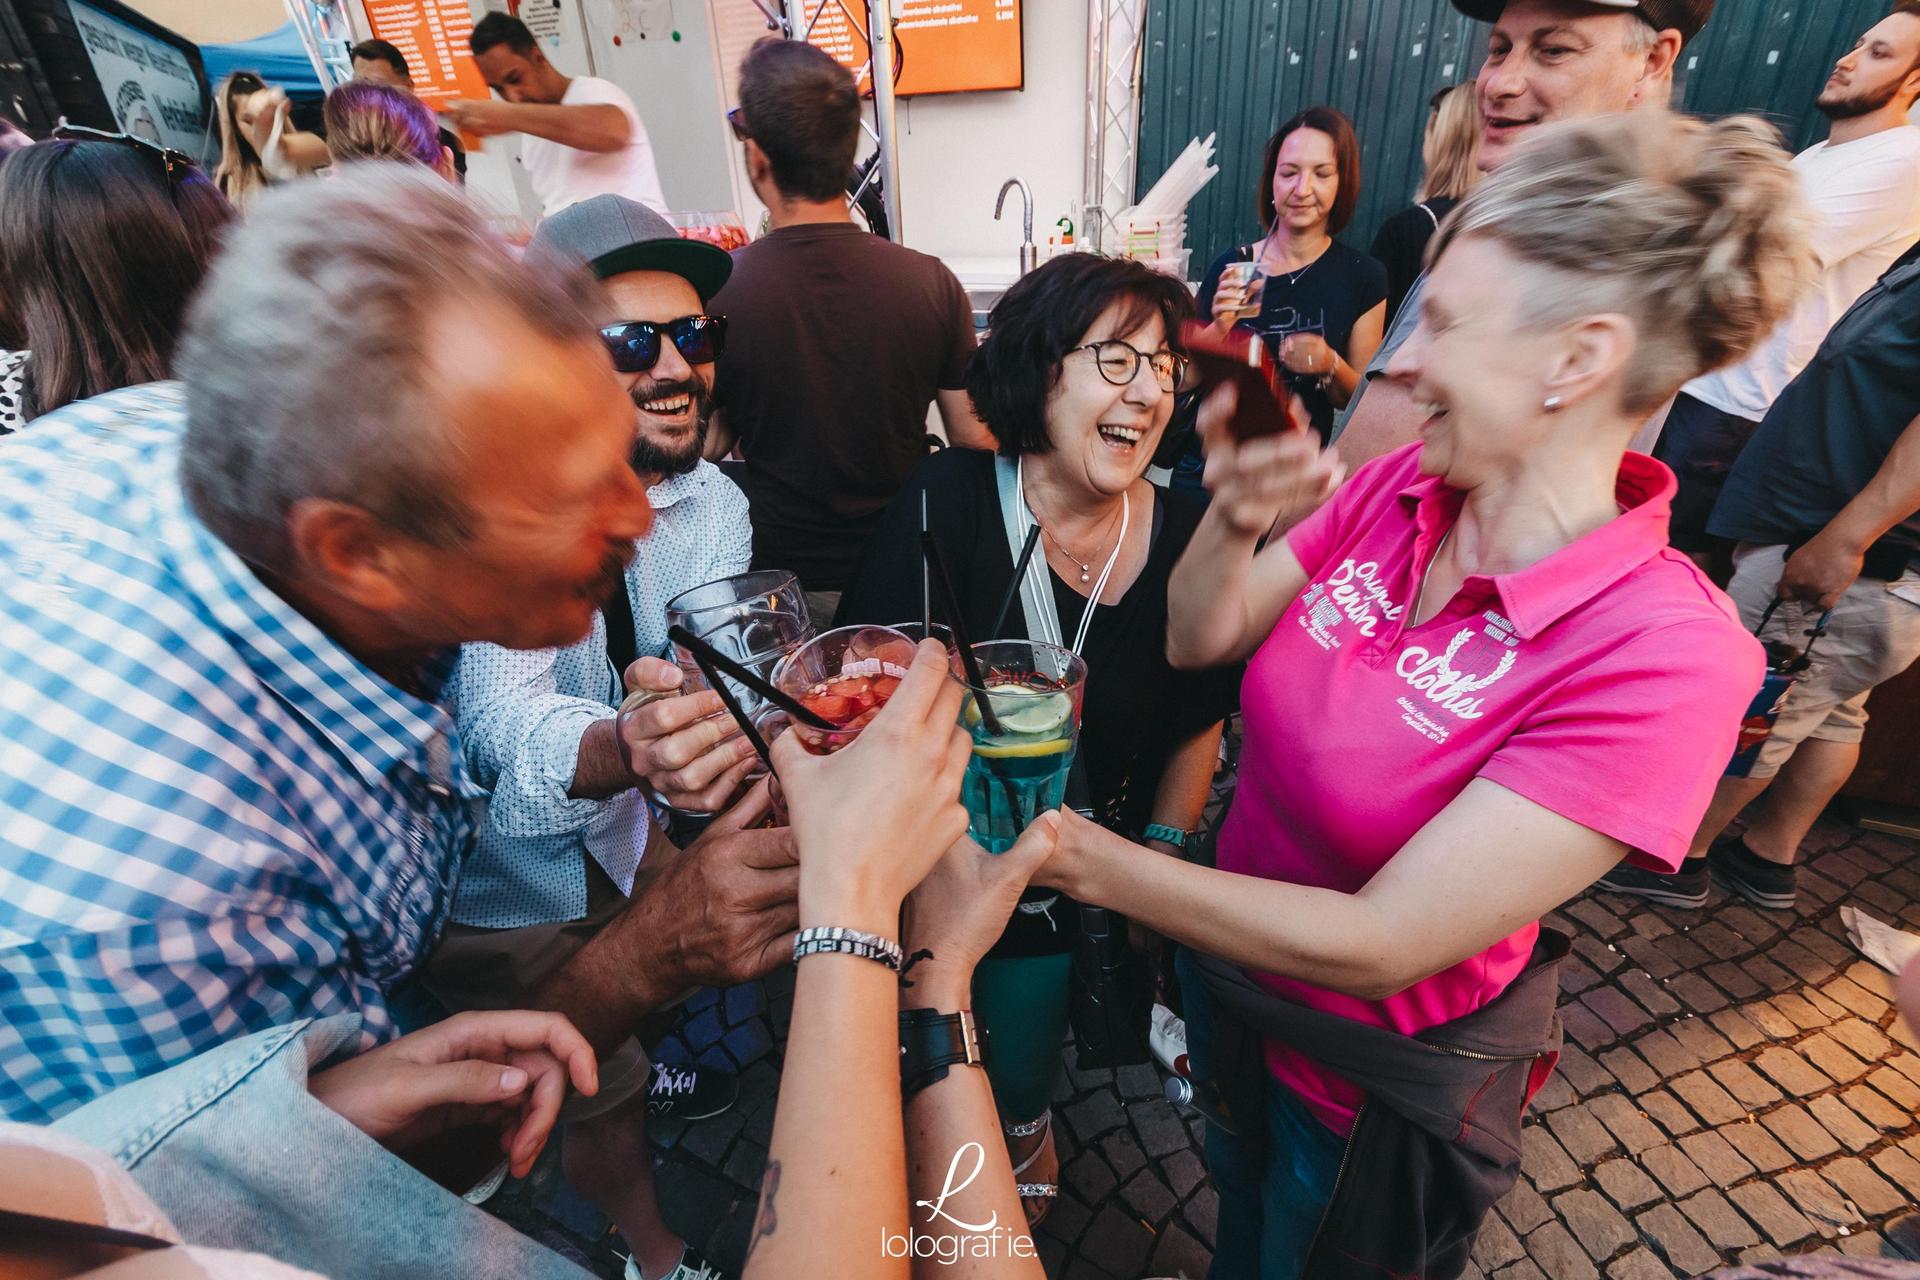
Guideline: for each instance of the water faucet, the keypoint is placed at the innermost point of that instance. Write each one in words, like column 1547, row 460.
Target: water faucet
column 1029, row 253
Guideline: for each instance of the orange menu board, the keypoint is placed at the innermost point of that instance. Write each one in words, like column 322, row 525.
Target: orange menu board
column 432, row 36
column 946, row 46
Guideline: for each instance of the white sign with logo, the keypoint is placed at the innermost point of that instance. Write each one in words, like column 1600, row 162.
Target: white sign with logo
column 148, row 83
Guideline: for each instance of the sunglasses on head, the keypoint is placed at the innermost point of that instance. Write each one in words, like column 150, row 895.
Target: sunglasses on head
column 635, row 344
column 176, row 163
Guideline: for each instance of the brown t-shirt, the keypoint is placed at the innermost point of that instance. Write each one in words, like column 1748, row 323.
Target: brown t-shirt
column 836, row 343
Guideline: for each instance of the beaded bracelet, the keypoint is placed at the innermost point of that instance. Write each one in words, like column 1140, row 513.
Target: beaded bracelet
column 852, row 942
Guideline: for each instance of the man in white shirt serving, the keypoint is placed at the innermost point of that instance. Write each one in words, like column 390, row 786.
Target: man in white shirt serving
column 1864, row 185
column 583, row 137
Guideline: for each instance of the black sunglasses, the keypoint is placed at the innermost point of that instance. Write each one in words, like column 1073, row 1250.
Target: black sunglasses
column 635, row 344
column 737, row 122
column 176, row 163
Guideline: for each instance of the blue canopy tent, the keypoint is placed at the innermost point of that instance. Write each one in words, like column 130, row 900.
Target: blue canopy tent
column 281, row 60
column 278, row 56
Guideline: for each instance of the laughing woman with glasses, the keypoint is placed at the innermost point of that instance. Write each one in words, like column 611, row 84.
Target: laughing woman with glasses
column 1076, row 381
column 103, row 239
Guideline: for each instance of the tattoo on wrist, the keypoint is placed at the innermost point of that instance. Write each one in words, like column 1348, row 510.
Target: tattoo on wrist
column 768, row 1220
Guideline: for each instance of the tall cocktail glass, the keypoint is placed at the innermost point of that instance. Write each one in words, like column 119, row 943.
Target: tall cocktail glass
column 1013, row 776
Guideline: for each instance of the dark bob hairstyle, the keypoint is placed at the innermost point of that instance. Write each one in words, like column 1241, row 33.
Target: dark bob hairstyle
column 1046, row 315
column 100, row 249
column 1346, row 164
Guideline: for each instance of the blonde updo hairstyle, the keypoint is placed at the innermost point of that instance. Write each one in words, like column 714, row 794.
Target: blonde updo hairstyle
column 1695, row 230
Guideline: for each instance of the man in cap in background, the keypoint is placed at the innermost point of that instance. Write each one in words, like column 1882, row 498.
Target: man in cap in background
column 1547, row 60
column 568, row 818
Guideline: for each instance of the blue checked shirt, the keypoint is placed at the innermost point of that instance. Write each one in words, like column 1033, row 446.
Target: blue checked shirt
column 212, row 818
column 522, row 714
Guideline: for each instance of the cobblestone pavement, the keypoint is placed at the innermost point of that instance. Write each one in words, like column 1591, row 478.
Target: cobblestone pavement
column 1735, row 1086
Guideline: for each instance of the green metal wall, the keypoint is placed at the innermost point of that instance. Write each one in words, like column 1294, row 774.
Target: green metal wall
column 1240, row 67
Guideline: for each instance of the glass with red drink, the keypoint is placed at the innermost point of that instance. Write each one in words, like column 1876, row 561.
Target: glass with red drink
column 843, row 676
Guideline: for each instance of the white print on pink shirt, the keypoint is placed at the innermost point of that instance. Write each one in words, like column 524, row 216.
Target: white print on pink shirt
column 1352, row 593
column 1433, row 675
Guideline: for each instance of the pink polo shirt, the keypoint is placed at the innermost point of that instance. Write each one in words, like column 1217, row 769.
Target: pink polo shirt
column 1605, row 682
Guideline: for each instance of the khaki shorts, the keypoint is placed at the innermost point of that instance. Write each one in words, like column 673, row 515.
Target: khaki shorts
column 1873, row 635
column 473, row 968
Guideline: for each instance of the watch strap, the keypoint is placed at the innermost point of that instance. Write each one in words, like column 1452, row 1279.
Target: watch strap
column 931, row 1043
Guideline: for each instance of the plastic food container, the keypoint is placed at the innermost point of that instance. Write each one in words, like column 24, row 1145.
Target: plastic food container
column 719, row 227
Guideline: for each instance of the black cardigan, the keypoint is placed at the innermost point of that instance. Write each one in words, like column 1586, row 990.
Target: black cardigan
column 1437, row 1141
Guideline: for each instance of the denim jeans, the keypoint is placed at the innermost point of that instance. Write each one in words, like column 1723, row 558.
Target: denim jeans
column 1270, row 1208
column 239, row 1155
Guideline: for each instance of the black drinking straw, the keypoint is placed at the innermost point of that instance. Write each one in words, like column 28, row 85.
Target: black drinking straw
column 1013, row 587
column 926, row 590
column 748, row 677
column 938, row 568
column 733, row 707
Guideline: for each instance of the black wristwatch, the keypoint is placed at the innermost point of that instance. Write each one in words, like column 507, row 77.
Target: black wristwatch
column 930, row 1042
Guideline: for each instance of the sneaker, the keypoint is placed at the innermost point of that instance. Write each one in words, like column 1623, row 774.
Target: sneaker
column 692, row 1267
column 1765, row 884
column 1684, row 888
column 690, row 1093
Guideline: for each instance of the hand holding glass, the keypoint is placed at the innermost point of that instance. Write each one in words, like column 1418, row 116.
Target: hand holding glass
column 1035, row 691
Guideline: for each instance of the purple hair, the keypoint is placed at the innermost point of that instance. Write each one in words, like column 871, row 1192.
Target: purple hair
column 367, row 121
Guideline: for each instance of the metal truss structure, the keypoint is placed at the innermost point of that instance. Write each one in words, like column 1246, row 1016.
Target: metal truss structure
column 1116, row 31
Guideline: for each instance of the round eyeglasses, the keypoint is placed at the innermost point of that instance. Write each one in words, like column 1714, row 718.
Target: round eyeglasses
column 1119, row 363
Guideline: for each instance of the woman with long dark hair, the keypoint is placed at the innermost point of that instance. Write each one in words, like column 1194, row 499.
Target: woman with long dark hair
column 103, row 239
column 1319, row 305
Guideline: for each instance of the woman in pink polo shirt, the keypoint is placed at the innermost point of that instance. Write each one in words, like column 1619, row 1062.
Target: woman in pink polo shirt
column 1477, row 676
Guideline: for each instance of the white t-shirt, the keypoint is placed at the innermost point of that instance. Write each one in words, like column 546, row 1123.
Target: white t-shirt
column 563, row 175
column 1867, row 195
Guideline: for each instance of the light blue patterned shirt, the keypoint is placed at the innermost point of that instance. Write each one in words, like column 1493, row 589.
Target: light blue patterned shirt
column 213, row 819
column 522, row 713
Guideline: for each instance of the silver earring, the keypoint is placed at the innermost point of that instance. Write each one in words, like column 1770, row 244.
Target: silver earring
column 1551, row 404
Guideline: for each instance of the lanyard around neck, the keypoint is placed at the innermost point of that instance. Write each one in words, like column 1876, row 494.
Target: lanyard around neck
column 1037, row 569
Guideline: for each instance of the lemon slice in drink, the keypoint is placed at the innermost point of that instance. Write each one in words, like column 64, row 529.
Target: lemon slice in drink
column 1011, row 750
column 1022, row 711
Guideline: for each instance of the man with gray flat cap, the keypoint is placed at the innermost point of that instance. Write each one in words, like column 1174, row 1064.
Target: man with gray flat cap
column 1547, row 60
column 568, row 818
